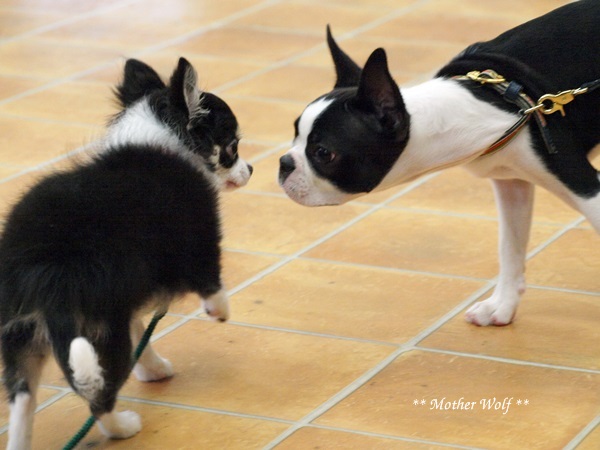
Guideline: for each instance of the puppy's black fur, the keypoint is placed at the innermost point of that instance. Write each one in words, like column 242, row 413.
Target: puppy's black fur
column 86, row 250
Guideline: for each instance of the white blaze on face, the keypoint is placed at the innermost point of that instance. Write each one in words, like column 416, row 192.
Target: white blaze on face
column 303, row 185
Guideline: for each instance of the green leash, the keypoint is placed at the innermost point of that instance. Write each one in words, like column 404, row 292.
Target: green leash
column 89, row 423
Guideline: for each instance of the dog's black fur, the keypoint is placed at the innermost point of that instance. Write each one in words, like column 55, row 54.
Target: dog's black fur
column 86, row 250
column 368, row 135
column 534, row 54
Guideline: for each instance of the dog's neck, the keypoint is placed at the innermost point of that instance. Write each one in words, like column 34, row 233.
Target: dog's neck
column 138, row 125
column 448, row 127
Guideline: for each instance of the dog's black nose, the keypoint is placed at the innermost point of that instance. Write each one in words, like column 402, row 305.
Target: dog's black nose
column 286, row 167
column 250, row 168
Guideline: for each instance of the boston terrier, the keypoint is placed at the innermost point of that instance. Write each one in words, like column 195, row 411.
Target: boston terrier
column 88, row 250
column 479, row 111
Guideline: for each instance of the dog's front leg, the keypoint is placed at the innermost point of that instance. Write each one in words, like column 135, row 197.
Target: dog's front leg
column 514, row 199
column 150, row 366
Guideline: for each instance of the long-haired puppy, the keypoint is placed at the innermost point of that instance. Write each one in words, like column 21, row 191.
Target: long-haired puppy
column 86, row 251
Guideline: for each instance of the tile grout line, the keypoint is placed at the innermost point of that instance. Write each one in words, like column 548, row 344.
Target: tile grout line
column 393, row 437
column 143, row 51
column 287, row 259
column 68, row 21
column 203, row 409
column 344, row 393
column 583, row 434
column 515, row 362
column 534, row 252
column 63, row 392
column 370, row 25
column 370, row 373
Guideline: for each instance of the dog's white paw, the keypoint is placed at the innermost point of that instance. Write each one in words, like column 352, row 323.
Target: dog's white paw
column 120, row 425
column 217, row 306
column 491, row 312
column 159, row 369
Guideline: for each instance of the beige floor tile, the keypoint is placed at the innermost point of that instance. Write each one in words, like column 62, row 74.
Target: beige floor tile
column 255, row 371
column 463, row 29
column 424, row 242
column 265, row 120
column 62, row 6
column 559, row 402
column 11, row 86
column 76, row 102
column 376, row 4
column 237, row 267
column 13, row 23
column 456, row 190
column 550, row 327
column 308, row 83
column 496, row 8
column 130, row 30
column 406, row 58
column 42, row 395
column 248, row 45
column 41, row 58
column 317, row 438
column 349, row 301
column 163, row 428
column 569, row 262
column 26, row 143
column 310, row 17
column 264, row 178
column 11, row 191
column 276, row 225
column 592, row 442
column 212, row 71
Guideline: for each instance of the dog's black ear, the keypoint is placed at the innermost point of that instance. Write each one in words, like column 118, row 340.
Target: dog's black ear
column 379, row 94
column 185, row 94
column 139, row 79
column 346, row 70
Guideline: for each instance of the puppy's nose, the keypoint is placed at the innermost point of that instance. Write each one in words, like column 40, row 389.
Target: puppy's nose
column 286, row 167
column 250, row 168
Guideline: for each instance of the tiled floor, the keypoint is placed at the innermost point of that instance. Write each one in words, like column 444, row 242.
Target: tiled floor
column 342, row 317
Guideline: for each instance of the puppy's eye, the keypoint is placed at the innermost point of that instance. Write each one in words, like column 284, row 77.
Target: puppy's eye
column 323, row 155
column 232, row 148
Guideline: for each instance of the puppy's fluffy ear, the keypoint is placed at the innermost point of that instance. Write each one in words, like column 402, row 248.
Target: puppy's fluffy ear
column 379, row 94
column 139, row 79
column 185, row 94
column 347, row 71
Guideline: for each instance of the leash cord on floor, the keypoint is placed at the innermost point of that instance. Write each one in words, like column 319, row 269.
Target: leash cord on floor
column 89, row 423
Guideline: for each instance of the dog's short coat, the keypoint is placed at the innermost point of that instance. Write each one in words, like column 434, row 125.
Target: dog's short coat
column 368, row 135
column 86, row 251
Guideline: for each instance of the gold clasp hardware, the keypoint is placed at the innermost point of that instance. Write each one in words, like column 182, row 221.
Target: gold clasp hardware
column 486, row 77
column 550, row 103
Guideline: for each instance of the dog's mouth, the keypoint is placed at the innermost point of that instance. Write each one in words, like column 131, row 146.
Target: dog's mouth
column 231, row 185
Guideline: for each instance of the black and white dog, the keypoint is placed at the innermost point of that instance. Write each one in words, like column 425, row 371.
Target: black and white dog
column 367, row 135
column 86, row 251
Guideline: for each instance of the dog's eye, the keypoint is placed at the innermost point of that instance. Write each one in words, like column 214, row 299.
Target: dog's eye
column 324, row 155
column 232, row 148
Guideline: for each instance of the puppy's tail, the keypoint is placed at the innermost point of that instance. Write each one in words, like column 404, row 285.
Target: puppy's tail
column 87, row 374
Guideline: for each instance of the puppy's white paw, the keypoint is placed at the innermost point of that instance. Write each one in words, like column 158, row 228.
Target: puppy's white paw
column 217, row 306
column 159, row 369
column 120, row 425
column 491, row 312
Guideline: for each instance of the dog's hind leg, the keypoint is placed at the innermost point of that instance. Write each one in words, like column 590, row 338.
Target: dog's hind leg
column 514, row 199
column 23, row 364
column 97, row 371
column 150, row 366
